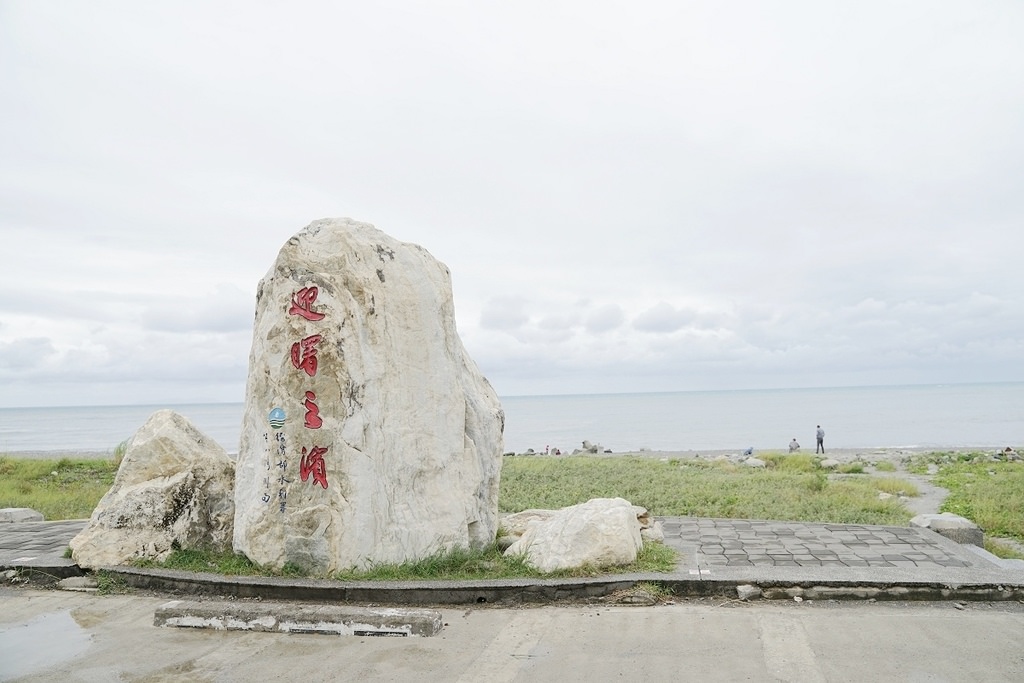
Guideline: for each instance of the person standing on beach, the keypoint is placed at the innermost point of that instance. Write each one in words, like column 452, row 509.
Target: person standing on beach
column 820, row 436
column 794, row 446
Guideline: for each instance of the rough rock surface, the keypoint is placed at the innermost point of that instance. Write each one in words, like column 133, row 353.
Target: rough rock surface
column 953, row 527
column 20, row 515
column 369, row 434
column 654, row 533
column 601, row 531
column 516, row 523
column 174, row 488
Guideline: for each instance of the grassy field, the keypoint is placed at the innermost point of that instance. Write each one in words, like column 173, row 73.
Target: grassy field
column 789, row 488
column 792, row 487
column 60, row 489
column 990, row 494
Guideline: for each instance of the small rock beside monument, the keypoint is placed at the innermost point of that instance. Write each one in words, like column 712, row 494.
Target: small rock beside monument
column 174, row 489
column 599, row 532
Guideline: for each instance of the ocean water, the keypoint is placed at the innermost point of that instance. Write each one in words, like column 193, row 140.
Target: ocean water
column 949, row 415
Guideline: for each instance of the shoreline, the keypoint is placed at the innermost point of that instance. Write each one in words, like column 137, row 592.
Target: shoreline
column 843, row 455
column 840, row 454
column 893, row 454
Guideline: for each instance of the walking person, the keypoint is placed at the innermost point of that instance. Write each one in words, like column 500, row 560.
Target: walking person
column 820, row 436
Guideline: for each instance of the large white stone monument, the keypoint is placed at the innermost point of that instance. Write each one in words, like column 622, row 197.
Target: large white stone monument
column 369, row 434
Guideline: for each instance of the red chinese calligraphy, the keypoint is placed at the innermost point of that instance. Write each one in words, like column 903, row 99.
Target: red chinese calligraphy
column 302, row 304
column 304, row 354
column 313, row 463
column 313, row 419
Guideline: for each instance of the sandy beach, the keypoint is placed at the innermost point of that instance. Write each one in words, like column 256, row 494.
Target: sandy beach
column 843, row 455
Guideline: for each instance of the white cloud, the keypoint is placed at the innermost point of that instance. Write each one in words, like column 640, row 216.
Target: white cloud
column 27, row 352
column 504, row 314
column 674, row 196
column 605, row 318
column 663, row 317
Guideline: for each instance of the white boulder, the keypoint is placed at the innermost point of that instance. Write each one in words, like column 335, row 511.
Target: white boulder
column 655, row 533
column 173, row 489
column 952, row 526
column 516, row 523
column 369, row 435
column 601, row 531
column 20, row 515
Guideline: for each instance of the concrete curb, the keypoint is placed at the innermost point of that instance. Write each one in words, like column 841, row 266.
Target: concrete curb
column 289, row 618
column 44, row 573
column 536, row 591
column 511, row 591
column 767, row 559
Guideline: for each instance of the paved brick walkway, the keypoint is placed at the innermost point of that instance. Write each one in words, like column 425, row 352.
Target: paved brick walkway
column 750, row 543
column 797, row 558
column 37, row 544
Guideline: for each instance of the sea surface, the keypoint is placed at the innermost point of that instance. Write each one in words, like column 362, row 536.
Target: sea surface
column 946, row 415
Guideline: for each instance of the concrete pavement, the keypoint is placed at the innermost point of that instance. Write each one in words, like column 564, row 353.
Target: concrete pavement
column 966, row 624
column 60, row 636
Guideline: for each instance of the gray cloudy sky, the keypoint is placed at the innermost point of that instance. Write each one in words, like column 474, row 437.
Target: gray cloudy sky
column 630, row 196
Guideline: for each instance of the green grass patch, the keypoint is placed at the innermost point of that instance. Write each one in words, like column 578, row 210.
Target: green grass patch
column 461, row 563
column 228, row 563
column 489, row 563
column 458, row 564
column 654, row 557
column 794, row 462
column 59, row 489
column 1002, row 549
column 885, row 466
column 990, row 494
column 110, row 584
column 655, row 590
column 895, row 486
column 696, row 488
column 466, row 564
column 918, row 464
column 119, row 452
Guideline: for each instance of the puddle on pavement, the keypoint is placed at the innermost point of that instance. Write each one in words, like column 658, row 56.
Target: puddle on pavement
column 40, row 643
